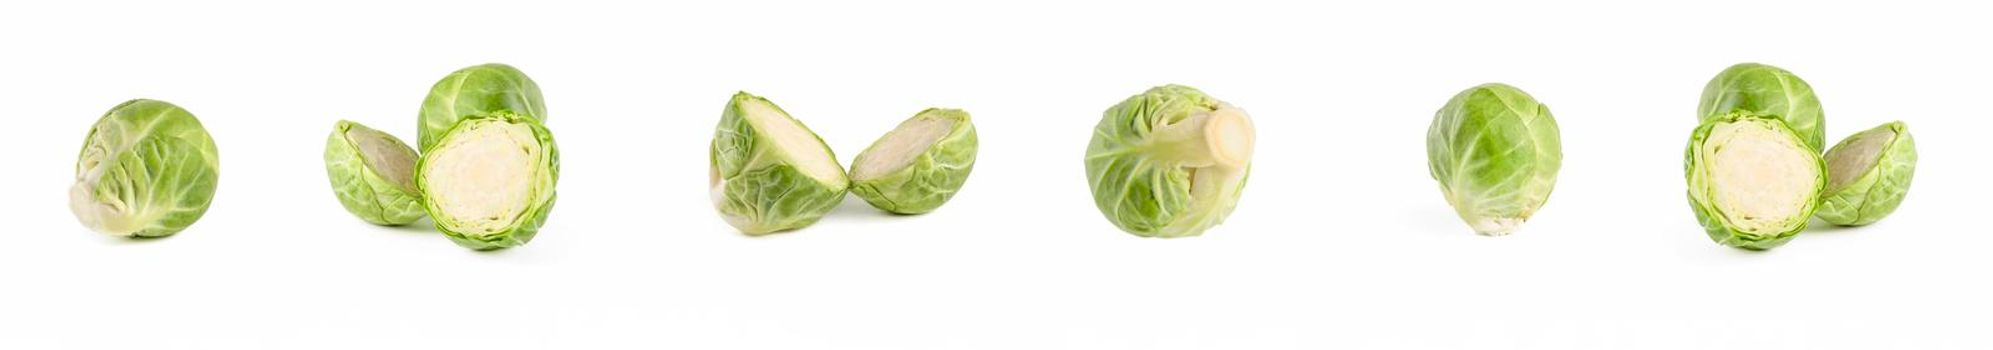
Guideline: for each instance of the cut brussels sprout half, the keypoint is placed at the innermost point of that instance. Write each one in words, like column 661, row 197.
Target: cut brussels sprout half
column 919, row 165
column 1495, row 152
column 1766, row 91
column 1868, row 174
column 373, row 174
column 1753, row 182
column 1170, row 162
column 147, row 169
column 477, row 90
column 489, row 182
column 769, row 172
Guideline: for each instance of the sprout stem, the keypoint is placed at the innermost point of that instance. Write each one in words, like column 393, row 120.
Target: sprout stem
column 1222, row 137
column 1496, row 227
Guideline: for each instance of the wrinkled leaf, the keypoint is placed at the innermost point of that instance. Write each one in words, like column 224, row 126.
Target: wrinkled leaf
column 147, row 169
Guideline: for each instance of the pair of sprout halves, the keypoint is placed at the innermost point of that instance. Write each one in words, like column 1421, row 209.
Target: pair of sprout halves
column 770, row 173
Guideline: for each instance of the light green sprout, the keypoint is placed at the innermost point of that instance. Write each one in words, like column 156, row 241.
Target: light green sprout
column 1752, row 182
column 1766, row 91
column 1170, row 162
column 475, row 90
column 919, row 165
column 769, row 172
column 1495, row 152
column 1868, row 174
column 147, row 169
column 489, row 181
column 373, row 174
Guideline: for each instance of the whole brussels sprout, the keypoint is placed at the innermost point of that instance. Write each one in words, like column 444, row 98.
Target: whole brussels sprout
column 373, row 174
column 479, row 89
column 1868, row 174
column 147, row 169
column 1766, row 91
column 1753, row 182
column 919, row 165
column 489, row 182
column 769, row 172
column 1170, row 162
column 1495, row 152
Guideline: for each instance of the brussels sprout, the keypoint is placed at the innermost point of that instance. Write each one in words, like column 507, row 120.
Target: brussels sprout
column 1868, row 175
column 1753, row 183
column 477, row 90
column 919, row 165
column 147, row 169
column 489, row 181
column 1495, row 152
column 1767, row 91
column 769, row 172
column 1170, row 162
column 373, row 174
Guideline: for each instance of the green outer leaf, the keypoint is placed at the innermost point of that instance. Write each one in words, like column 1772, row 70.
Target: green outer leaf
column 1700, row 189
column 932, row 178
column 474, row 90
column 360, row 187
column 1147, row 195
column 147, row 169
column 1768, row 91
column 527, row 224
column 1495, row 152
column 1877, row 190
column 758, row 190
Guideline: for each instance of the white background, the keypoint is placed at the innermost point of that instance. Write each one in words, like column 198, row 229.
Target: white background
column 1341, row 240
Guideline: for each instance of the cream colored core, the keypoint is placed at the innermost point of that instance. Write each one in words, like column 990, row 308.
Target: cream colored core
column 1219, row 137
column 1850, row 162
column 1762, row 179
column 789, row 137
column 900, row 147
column 483, row 179
column 1230, row 134
column 388, row 158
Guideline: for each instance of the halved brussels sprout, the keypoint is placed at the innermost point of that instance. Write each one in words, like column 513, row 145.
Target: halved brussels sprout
column 373, row 174
column 769, row 172
column 1753, row 182
column 1868, row 174
column 1495, row 152
column 147, row 169
column 474, row 90
column 489, row 182
column 919, row 165
column 1170, row 162
column 1766, row 91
